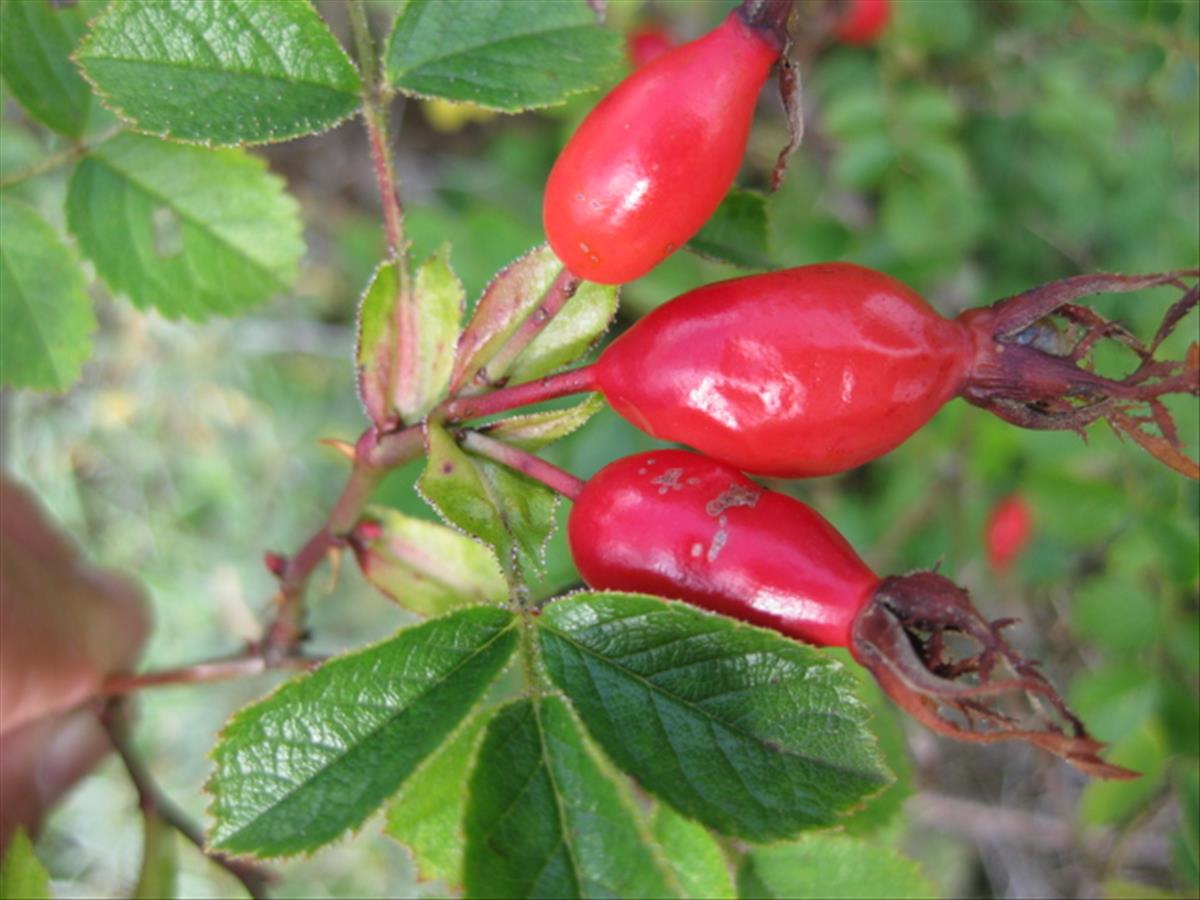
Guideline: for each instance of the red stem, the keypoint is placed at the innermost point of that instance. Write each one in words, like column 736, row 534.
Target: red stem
column 381, row 157
column 253, row 877
column 573, row 381
column 204, row 672
column 534, row 466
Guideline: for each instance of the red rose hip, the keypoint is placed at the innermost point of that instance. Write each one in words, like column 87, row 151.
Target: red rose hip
column 652, row 162
column 685, row 527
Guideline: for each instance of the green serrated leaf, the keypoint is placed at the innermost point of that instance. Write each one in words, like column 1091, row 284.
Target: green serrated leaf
column 536, row 430
column 22, row 876
column 437, row 311
column 319, row 755
column 509, row 55
column 189, row 231
column 751, row 733
column 426, row 567
column 36, row 41
column 160, row 863
column 511, row 512
column 239, row 71
column 46, row 318
column 737, row 232
column 542, row 820
column 694, row 856
column 427, row 815
column 831, row 867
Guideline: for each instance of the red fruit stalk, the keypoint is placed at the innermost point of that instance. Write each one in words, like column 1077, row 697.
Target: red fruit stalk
column 1007, row 532
column 864, row 21
column 681, row 526
column 818, row 369
column 652, row 162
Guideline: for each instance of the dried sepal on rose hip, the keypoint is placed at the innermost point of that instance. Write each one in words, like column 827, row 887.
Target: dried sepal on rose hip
column 819, row 369
column 685, row 527
column 652, row 162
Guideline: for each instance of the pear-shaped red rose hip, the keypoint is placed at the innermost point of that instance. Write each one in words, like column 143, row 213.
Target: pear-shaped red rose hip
column 652, row 162
column 685, row 527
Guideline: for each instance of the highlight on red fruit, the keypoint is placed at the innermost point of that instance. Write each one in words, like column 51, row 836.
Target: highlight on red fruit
column 1008, row 531
column 685, row 527
column 647, row 43
column 864, row 21
column 652, row 162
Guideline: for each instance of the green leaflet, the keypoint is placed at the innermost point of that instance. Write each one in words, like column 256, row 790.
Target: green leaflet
column 189, row 231
column 543, row 820
column 751, row 733
column 509, row 55
column 36, row 42
column 831, row 867
column 46, row 318
column 427, row 814
column 694, row 855
column 239, row 71
column 296, row 770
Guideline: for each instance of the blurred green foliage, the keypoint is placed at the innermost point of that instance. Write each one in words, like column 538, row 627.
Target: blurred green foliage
column 980, row 149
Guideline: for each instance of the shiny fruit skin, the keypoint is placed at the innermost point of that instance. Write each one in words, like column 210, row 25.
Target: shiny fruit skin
column 796, row 373
column 652, row 162
column 865, row 21
column 679, row 525
column 1008, row 531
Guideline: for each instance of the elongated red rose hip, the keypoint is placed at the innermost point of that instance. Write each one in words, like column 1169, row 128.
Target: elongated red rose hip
column 654, row 159
column 685, row 527
column 818, row 369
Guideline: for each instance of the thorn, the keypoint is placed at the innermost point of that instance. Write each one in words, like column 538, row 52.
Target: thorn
column 335, row 568
column 344, row 448
column 276, row 563
column 368, row 530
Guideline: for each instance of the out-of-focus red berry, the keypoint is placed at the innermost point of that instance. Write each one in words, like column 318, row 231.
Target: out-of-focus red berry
column 864, row 21
column 1009, row 528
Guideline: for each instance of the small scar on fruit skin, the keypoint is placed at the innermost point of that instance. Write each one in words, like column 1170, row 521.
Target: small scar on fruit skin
column 447, row 468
